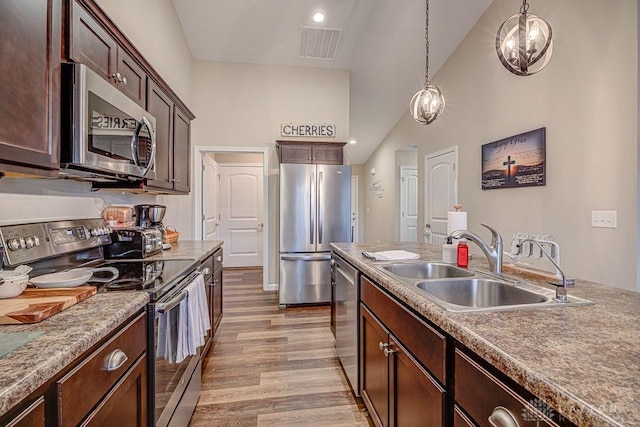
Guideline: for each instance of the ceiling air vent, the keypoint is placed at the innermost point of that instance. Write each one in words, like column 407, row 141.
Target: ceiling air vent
column 319, row 43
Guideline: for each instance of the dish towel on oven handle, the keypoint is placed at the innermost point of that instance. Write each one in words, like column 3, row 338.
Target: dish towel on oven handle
column 194, row 319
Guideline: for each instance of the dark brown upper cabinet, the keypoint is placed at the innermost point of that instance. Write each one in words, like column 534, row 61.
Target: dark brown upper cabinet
column 325, row 153
column 92, row 45
column 96, row 41
column 30, row 46
column 173, row 133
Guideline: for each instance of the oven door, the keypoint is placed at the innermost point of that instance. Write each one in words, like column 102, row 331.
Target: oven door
column 111, row 133
column 175, row 384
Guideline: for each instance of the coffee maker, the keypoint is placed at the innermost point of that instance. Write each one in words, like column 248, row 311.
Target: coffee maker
column 150, row 216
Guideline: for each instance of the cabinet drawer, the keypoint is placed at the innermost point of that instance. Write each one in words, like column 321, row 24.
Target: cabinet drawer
column 207, row 269
column 480, row 393
column 87, row 383
column 33, row 416
column 423, row 341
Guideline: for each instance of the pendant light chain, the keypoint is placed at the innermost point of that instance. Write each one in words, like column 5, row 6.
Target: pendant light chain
column 426, row 37
column 525, row 6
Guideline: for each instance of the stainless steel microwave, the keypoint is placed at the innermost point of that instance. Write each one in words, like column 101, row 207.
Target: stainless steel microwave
column 105, row 135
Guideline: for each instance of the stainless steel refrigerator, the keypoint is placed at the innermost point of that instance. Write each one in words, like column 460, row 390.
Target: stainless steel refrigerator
column 315, row 204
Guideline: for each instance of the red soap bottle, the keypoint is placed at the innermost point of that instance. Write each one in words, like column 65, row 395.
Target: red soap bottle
column 463, row 255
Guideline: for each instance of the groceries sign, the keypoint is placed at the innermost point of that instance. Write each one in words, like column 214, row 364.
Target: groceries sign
column 300, row 129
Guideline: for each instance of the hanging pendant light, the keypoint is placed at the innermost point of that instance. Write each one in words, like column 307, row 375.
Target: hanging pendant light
column 523, row 42
column 428, row 103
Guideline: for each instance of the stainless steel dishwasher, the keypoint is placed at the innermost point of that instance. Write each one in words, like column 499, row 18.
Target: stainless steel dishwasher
column 347, row 312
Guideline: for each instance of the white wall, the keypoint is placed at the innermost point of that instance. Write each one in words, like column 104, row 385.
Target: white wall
column 587, row 100
column 243, row 105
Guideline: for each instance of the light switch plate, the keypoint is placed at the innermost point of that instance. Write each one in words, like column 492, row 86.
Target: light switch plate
column 604, row 219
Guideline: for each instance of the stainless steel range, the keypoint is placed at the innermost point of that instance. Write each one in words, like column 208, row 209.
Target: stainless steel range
column 174, row 385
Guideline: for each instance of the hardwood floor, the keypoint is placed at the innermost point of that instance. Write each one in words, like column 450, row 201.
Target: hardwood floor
column 272, row 367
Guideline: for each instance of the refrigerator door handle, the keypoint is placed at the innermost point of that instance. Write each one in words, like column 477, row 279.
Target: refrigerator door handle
column 320, row 212
column 312, row 217
column 305, row 257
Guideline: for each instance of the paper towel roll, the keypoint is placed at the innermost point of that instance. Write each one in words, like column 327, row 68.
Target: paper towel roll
column 456, row 221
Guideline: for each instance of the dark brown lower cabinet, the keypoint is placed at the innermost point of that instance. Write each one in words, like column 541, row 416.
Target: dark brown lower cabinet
column 486, row 399
column 33, row 416
column 397, row 390
column 414, row 374
column 375, row 368
column 417, row 400
column 126, row 403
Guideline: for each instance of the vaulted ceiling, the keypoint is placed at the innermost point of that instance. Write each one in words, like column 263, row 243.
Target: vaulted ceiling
column 381, row 43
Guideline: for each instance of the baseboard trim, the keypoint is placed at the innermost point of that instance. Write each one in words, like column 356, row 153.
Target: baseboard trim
column 270, row 287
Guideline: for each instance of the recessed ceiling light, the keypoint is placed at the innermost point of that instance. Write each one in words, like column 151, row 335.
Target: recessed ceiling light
column 318, row 17
column 353, row 141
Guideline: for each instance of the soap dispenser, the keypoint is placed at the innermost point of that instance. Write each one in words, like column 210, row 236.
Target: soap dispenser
column 449, row 254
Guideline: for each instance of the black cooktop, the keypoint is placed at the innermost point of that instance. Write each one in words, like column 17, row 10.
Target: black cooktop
column 150, row 276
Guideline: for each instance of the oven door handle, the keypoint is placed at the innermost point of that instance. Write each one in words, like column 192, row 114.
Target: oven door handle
column 167, row 306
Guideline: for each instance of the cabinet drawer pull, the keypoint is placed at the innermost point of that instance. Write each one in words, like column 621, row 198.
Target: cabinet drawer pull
column 219, row 258
column 206, row 271
column 115, row 360
column 501, row 417
column 383, row 345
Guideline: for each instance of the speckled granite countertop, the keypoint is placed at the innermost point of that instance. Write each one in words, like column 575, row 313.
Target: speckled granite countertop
column 582, row 361
column 66, row 336
column 189, row 249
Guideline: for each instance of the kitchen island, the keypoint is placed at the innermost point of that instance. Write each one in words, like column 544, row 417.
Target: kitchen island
column 67, row 337
column 584, row 362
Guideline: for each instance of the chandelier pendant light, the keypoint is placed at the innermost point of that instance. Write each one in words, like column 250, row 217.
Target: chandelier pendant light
column 428, row 103
column 524, row 43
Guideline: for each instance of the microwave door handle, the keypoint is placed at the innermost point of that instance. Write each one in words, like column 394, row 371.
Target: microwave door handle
column 134, row 145
column 152, row 157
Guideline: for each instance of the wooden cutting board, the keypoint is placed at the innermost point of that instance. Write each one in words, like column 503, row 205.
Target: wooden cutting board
column 35, row 305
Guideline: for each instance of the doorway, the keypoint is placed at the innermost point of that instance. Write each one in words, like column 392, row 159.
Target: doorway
column 441, row 192
column 406, row 194
column 408, row 204
column 231, row 204
column 240, row 213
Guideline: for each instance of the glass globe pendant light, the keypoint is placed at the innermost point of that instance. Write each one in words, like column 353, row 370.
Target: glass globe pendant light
column 428, row 103
column 524, row 42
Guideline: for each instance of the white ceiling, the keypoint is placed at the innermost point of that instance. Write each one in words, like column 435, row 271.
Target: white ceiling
column 382, row 45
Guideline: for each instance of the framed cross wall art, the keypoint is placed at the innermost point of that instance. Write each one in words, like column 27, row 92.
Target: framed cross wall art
column 517, row 161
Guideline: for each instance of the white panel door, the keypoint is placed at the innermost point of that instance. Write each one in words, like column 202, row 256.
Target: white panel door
column 354, row 208
column 210, row 214
column 441, row 192
column 408, row 204
column 240, row 208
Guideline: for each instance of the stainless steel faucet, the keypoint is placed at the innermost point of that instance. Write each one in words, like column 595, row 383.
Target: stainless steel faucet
column 493, row 252
column 561, row 288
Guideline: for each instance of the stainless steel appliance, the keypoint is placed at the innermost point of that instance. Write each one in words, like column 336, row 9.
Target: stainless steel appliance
column 134, row 243
column 105, row 135
column 314, row 211
column 174, row 387
column 347, row 312
column 151, row 216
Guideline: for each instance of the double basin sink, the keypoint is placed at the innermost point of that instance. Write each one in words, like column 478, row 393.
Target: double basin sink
column 461, row 290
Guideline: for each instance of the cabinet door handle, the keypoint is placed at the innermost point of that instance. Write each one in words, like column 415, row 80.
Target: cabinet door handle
column 388, row 351
column 115, row 360
column 206, row 271
column 501, row 417
column 219, row 258
column 123, row 80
